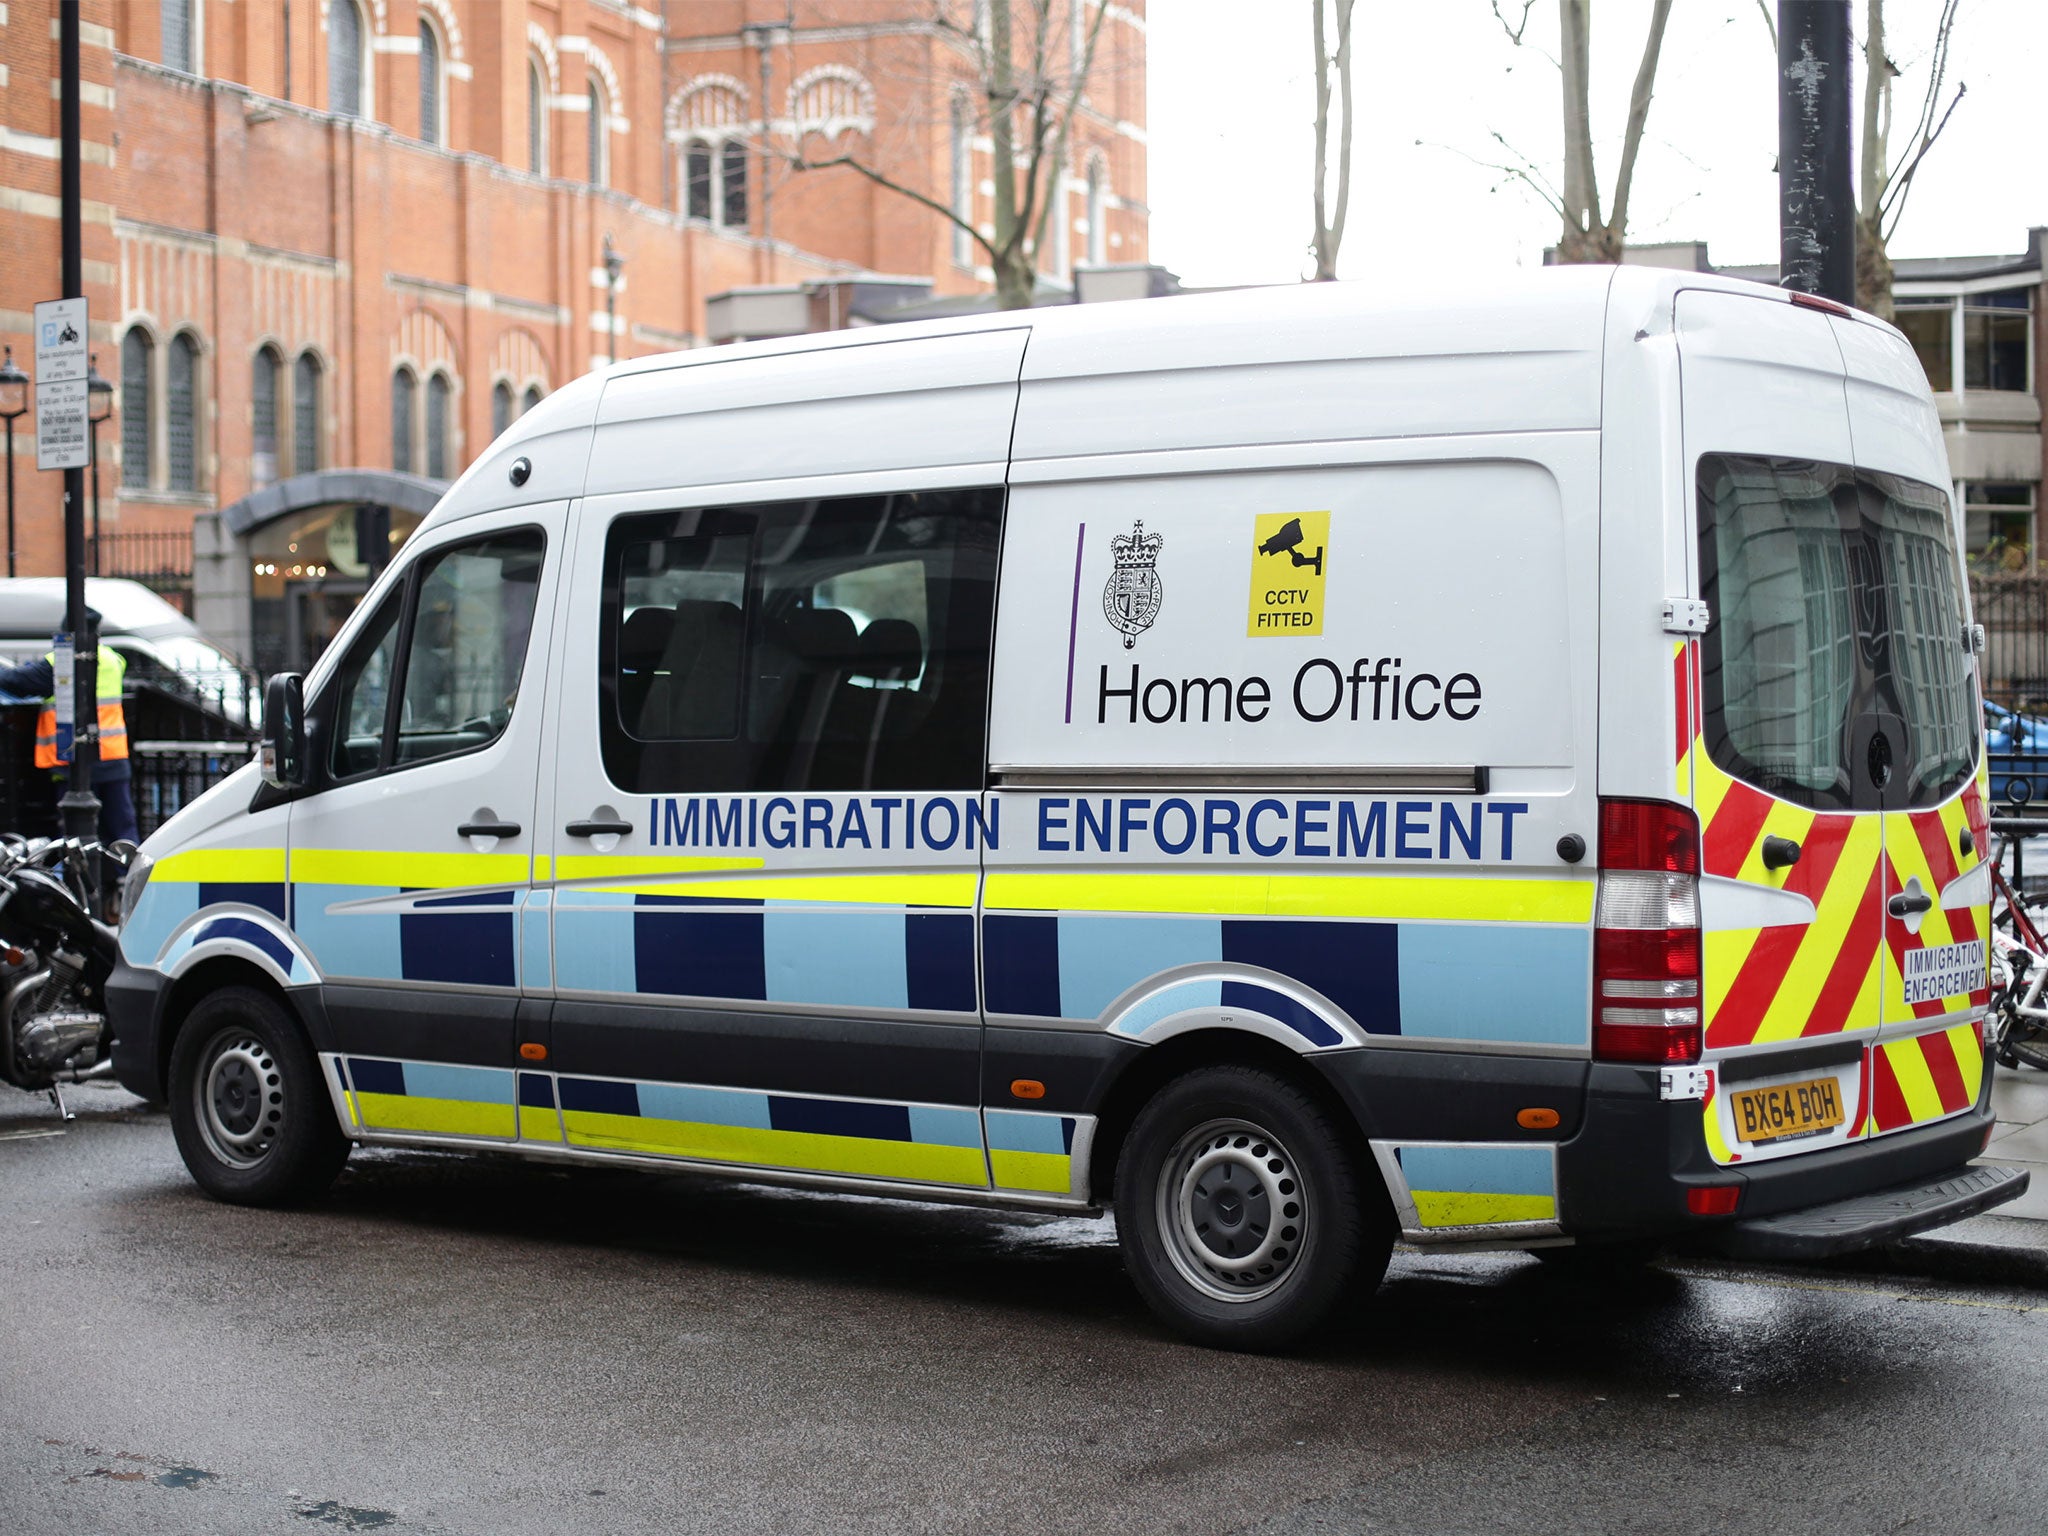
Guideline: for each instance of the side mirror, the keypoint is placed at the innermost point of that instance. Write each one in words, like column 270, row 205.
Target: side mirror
column 283, row 754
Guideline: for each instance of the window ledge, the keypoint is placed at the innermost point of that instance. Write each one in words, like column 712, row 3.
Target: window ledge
column 1989, row 407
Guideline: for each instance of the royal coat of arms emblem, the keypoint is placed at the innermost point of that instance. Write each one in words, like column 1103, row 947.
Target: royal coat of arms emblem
column 1131, row 599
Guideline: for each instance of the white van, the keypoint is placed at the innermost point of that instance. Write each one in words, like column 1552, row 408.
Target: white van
column 1308, row 767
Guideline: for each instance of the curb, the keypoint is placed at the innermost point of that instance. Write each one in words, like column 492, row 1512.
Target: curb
column 1984, row 1250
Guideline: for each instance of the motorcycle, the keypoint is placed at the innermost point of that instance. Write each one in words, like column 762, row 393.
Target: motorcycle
column 55, row 957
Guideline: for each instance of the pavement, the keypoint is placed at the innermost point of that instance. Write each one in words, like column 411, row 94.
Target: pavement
column 2010, row 1244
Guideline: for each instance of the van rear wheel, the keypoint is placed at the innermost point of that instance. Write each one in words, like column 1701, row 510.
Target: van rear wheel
column 251, row 1115
column 1241, row 1210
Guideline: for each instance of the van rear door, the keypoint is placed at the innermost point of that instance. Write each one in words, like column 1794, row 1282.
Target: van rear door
column 1792, row 856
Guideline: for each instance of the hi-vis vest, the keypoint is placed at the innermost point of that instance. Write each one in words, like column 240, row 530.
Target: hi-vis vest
column 113, row 724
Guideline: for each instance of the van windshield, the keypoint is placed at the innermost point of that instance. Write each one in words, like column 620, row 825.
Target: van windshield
column 1836, row 606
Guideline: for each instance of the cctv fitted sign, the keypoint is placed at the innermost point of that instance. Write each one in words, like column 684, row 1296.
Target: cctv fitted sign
column 61, row 328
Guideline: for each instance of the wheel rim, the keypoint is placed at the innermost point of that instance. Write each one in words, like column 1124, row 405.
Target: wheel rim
column 1232, row 1210
column 238, row 1098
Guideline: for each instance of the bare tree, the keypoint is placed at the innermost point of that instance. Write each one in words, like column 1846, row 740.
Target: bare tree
column 1329, row 227
column 1588, row 234
column 1880, row 188
column 1026, row 101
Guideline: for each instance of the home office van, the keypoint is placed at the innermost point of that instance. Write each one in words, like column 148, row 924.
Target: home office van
column 1306, row 769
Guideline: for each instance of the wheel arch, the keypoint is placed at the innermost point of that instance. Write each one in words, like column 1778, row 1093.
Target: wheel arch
column 1154, row 1067
column 209, row 976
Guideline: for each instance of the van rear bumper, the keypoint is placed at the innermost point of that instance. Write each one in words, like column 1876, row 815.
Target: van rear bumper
column 1864, row 1221
column 1636, row 1157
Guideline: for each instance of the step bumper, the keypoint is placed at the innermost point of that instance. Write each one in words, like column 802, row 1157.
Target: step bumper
column 1864, row 1221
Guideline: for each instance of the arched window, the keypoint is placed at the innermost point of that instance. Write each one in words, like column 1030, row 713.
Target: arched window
column 430, row 84
column 135, row 411
column 600, row 136
column 263, row 413
column 697, row 175
column 501, row 408
column 403, row 388
column 531, row 399
column 437, row 427
column 177, row 19
column 963, row 181
column 536, row 118
column 181, row 414
column 305, row 414
column 1098, row 235
column 344, row 58
column 732, row 166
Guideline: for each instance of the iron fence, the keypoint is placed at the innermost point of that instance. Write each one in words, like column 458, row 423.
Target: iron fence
column 169, row 775
column 2013, row 608
column 161, row 559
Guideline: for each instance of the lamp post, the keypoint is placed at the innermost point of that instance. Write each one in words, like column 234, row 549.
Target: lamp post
column 99, row 405
column 13, row 404
column 614, row 266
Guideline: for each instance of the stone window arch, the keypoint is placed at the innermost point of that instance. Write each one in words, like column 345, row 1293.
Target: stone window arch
column 307, row 378
column 348, row 71
column 181, row 412
column 138, row 363
column 831, row 100
column 433, row 84
column 404, row 418
column 266, row 387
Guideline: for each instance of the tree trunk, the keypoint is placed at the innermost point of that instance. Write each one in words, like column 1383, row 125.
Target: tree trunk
column 1873, row 267
column 1329, row 237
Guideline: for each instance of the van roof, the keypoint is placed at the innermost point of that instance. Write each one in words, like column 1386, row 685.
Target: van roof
column 1554, row 310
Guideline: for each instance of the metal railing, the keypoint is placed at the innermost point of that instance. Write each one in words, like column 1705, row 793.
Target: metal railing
column 2013, row 608
column 170, row 775
column 161, row 559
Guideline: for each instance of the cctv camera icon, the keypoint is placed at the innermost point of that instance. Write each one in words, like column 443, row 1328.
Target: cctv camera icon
column 1286, row 541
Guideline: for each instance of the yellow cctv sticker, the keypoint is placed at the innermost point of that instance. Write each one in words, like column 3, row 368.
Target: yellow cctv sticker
column 1288, row 550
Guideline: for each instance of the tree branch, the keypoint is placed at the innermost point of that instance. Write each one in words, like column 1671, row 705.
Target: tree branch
column 1059, row 147
column 1514, row 32
column 1770, row 22
column 1638, row 116
column 798, row 162
column 1894, row 205
column 1344, row 9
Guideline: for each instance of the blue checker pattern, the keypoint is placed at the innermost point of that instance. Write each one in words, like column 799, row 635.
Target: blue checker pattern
column 1521, row 984
column 895, row 960
column 924, row 1124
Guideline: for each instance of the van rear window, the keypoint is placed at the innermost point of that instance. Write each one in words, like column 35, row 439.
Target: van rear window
column 1836, row 612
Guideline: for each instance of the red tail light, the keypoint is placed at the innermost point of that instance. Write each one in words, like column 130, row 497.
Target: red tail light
column 1646, row 935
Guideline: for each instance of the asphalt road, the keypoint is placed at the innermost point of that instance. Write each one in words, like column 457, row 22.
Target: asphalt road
column 458, row 1345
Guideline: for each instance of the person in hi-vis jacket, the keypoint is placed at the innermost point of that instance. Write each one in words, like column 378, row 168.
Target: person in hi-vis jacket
column 110, row 775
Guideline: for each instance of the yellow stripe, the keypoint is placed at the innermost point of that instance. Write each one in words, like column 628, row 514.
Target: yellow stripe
column 1500, row 899
column 223, row 866
column 805, row 1150
column 1442, row 1208
column 1717, row 1144
column 415, row 871
column 537, row 1124
column 1916, row 1083
column 1682, row 771
column 1792, row 1007
column 448, row 1117
column 948, row 890
column 1969, row 1056
column 1048, row 1172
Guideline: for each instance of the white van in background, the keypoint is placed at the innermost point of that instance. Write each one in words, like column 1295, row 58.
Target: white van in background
column 1494, row 768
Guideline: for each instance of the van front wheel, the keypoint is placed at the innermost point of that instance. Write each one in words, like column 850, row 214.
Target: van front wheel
column 1241, row 1210
column 250, row 1113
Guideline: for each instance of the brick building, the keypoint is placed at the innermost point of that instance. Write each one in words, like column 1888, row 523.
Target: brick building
column 333, row 246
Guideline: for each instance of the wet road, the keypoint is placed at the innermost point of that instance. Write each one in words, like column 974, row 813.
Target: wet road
column 452, row 1345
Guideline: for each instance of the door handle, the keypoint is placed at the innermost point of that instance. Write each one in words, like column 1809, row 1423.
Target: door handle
column 1780, row 853
column 1903, row 905
column 614, row 828
column 488, row 829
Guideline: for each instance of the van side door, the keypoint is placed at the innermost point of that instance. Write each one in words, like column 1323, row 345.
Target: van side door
column 767, row 824
column 411, row 853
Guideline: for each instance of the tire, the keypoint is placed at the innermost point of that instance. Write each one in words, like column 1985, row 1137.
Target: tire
column 248, row 1106
column 2030, row 1046
column 1209, row 1156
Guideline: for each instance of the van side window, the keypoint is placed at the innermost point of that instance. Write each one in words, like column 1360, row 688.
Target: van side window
column 1836, row 601
column 363, row 693
column 443, row 681
column 836, row 644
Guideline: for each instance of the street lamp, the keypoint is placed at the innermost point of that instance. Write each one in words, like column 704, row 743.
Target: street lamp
column 13, row 403
column 99, row 405
column 614, row 265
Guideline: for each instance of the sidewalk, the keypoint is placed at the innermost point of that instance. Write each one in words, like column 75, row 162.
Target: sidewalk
column 2005, row 1246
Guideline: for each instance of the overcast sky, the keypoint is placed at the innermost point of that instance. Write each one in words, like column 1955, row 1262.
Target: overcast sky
column 1231, row 126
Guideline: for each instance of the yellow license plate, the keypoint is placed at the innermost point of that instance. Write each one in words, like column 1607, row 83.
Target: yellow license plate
column 1786, row 1109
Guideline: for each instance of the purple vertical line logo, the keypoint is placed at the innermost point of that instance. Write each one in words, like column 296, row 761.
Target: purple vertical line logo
column 1074, row 616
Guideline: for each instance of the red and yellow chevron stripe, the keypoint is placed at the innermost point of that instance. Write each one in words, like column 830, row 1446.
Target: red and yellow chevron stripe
column 1925, row 1078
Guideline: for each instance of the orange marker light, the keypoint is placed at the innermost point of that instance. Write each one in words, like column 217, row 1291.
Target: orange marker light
column 533, row 1051
column 1027, row 1088
column 1536, row 1119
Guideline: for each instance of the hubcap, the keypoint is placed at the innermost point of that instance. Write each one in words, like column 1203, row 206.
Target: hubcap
column 1231, row 1208
column 239, row 1098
